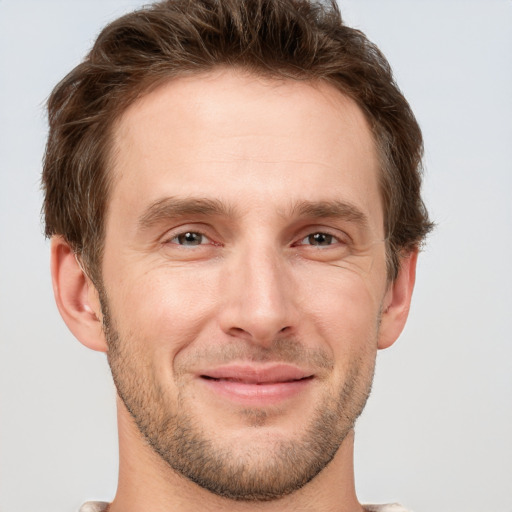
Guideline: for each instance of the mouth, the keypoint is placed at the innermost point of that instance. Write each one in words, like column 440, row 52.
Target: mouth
column 253, row 385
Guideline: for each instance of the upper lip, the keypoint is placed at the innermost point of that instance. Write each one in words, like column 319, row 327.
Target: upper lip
column 252, row 374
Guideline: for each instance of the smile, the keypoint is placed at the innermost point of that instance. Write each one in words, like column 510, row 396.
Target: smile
column 255, row 386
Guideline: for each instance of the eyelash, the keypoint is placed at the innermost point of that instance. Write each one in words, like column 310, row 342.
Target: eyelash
column 325, row 234
column 186, row 233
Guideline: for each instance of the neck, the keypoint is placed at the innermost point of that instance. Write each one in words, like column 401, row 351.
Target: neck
column 146, row 482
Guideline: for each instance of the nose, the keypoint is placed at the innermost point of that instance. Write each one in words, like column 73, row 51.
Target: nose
column 259, row 304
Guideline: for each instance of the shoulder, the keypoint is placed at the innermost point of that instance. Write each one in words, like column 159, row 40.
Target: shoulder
column 392, row 507
column 94, row 506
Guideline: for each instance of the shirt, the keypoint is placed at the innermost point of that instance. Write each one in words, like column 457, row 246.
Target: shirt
column 101, row 506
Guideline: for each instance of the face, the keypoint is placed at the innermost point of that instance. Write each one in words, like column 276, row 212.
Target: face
column 244, row 277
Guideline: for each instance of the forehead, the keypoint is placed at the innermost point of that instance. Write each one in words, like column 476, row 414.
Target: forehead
column 233, row 135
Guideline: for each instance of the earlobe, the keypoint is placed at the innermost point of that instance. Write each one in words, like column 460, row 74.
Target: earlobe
column 395, row 308
column 76, row 296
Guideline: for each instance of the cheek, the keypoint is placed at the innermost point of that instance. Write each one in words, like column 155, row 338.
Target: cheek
column 341, row 296
column 163, row 309
column 342, row 309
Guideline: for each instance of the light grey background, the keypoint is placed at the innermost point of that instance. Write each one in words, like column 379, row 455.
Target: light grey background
column 437, row 432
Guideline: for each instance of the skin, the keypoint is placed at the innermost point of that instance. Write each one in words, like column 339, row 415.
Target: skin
column 286, row 264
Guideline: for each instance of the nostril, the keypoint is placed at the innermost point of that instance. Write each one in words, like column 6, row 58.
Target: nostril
column 237, row 331
column 258, row 330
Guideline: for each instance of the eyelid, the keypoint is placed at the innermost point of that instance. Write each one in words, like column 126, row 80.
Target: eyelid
column 204, row 239
column 341, row 236
column 175, row 232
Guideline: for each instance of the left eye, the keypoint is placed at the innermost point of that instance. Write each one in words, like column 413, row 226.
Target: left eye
column 190, row 239
column 319, row 239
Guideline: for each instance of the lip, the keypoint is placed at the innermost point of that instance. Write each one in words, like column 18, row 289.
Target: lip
column 256, row 385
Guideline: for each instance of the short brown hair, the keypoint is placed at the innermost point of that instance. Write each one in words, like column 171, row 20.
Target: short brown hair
column 295, row 39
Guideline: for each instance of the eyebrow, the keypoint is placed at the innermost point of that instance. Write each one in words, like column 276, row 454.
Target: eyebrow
column 174, row 207
column 330, row 209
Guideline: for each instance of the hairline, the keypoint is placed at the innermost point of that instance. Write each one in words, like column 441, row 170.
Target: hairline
column 152, row 83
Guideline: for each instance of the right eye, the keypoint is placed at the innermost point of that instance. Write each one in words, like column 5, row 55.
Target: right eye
column 190, row 239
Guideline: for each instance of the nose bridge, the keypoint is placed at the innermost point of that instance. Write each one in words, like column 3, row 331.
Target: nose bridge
column 260, row 293
column 265, row 278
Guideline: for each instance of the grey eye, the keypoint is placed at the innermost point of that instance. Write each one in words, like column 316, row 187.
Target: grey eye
column 319, row 239
column 190, row 238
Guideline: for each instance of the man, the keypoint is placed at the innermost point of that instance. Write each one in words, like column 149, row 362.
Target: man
column 233, row 196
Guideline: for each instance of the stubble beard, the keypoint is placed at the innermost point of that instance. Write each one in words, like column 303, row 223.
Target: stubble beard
column 246, row 473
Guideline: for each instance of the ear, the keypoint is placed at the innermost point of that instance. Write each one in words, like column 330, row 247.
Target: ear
column 76, row 296
column 397, row 301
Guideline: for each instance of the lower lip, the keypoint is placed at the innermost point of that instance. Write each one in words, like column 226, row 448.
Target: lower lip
column 257, row 394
